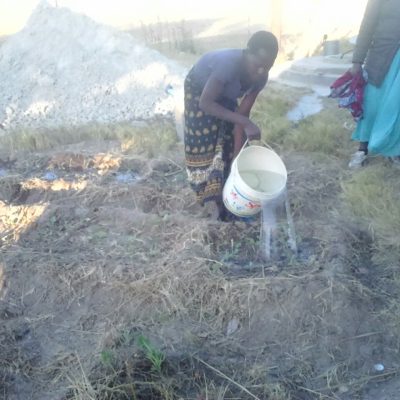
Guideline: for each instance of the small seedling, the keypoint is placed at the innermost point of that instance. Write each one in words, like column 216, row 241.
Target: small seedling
column 107, row 357
column 155, row 356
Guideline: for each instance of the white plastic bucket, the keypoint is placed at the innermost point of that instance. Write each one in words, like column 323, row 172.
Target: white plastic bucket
column 257, row 175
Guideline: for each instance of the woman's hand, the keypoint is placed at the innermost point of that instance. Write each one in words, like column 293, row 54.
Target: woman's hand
column 356, row 68
column 252, row 131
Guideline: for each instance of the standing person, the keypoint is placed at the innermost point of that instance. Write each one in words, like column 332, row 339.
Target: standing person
column 215, row 125
column 377, row 47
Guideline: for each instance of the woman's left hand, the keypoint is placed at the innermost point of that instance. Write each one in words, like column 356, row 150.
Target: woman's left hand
column 355, row 69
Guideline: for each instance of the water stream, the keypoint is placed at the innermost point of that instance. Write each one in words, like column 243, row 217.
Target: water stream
column 269, row 226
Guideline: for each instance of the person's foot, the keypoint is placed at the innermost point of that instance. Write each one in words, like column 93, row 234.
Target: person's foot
column 212, row 210
column 357, row 159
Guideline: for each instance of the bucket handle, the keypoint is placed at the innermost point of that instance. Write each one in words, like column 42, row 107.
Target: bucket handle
column 247, row 143
column 264, row 143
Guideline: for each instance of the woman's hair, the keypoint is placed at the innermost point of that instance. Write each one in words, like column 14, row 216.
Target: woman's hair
column 263, row 41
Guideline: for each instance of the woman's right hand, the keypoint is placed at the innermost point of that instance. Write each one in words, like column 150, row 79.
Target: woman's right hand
column 252, row 131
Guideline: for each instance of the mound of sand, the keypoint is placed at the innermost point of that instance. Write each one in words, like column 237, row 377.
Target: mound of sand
column 65, row 69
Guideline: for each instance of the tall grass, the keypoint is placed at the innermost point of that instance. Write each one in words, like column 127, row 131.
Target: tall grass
column 324, row 132
column 269, row 113
column 373, row 196
column 149, row 138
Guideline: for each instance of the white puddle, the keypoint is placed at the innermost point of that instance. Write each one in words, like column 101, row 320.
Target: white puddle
column 127, row 177
column 308, row 105
column 50, row 176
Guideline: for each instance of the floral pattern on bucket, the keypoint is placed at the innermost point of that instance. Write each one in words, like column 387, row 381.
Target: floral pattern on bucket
column 240, row 205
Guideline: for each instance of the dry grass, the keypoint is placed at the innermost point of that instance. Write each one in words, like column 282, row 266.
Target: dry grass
column 152, row 138
column 162, row 269
column 108, row 263
column 373, row 197
column 15, row 220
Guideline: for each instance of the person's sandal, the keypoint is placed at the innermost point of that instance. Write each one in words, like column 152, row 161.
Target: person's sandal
column 358, row 159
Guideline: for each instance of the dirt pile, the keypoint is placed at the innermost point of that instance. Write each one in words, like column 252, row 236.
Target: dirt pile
column 65, row 69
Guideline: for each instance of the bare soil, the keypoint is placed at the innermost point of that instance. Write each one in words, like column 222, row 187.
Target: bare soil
column 89, row 264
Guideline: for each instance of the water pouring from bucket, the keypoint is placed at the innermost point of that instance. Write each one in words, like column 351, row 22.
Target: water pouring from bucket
column 257, row 183
column 258, row 175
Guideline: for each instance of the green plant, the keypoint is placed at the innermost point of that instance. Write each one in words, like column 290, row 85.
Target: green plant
column 155, row 356
column 107, row 357
column 232, row 253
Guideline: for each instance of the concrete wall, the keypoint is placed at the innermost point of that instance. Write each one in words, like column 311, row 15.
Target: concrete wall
column 301, row 24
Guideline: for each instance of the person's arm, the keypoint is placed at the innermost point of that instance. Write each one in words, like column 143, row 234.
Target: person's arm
column 208, row 103
column 244, row 109
column 366, row 34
